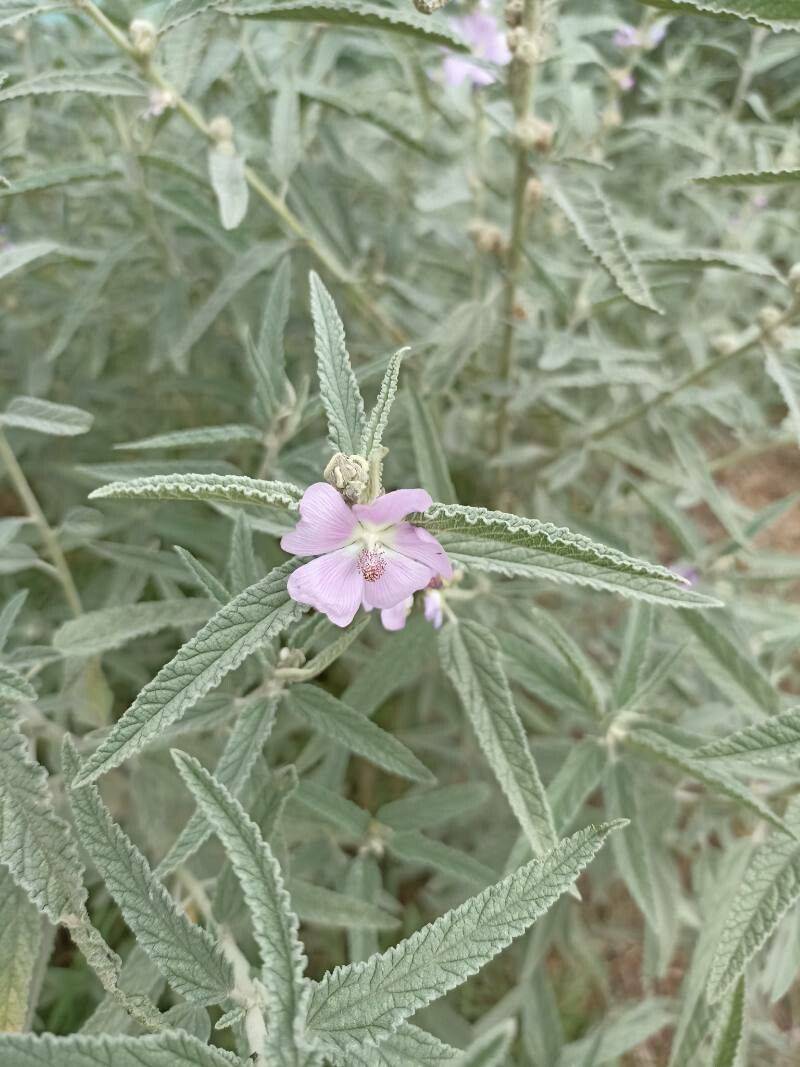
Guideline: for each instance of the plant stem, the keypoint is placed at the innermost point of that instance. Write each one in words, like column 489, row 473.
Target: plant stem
column 287, row 217
column 691, row 378
column 35, row 513
column 521, row 83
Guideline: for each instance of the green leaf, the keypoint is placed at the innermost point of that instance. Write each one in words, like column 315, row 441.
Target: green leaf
column 472, row 660
column 635, row 648
column 379, row 416
column 14, row 688
column 492, row 1048
column 94, row 83
column 771, row 886
column 228, row 638
column 42, row 416
column 587, row 678
column 96, row 632
column 365, row 1002
column 424, row 810
column 589, row 212
column 729, row 1039
column 279, row 500
column 333, row 810
column 286, row 145
column 267, row 357
column 274, row 923
column 745, row 262
column 756, row 177
column 226, row 170
column 15, row 11
column 203, row 578
column 786, row 376
column 408, row 1046
column 9, row 613
column 631, row 848
column 777, row 14
column 734, row 670
column 21, row 937
column 718, row 781
column 173, row 1048
column 356, row 14
column 184, row 953
column 577, row 777
column 259, row 257
column 773, row 739
column 428, row 452
column 55, row 177
column 324, row 907
column 338, row 387
column 202, row 435
column 506, row 544
column 351, row 728
column 19, row 255
column 245, row 743
column 419, row 850
column 36, row 844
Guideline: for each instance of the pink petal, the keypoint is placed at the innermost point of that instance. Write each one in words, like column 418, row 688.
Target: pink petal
column 434, row 612
column 395, row 618
column 326, row 523
column 332, row 584
column 401, row 578
column 392, row 507
column 420, row 545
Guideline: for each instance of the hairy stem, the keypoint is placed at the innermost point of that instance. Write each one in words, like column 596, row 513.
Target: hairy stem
column 521, row 82
column 35, row 513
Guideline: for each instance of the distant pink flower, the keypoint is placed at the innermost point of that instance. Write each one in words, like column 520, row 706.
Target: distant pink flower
column 627, row 36
column 481, row 31
column 434, row 608
column 657, row 33
column 366, row 554
column 760, row 201
column 688, row 573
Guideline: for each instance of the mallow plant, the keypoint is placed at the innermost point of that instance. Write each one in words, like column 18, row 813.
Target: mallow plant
column 418, row 693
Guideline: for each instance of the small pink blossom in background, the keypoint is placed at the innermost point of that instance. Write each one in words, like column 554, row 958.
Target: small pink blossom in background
column 657, row 33
column 482, row 32
column 627, row 36
column 625, row 80
column 395, row 618
column 760, row 201
column 367, row 555
column 434, row 607
column 688, row 573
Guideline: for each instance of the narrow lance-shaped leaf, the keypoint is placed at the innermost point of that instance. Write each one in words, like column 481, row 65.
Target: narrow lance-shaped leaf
column 777, row 14
column 408, row 1046
column 226, row 172
column 492, row 1048
column 99, row 631
column 98, row 83
column 183, row 952
column 266, row 357
column 13, row 687
column 587, row 677
column 786, row 375
column 278, row 498
column 274, row 923
column 233, row 434
column 379, row 416
column 355, row 13
column 631, row 849
column 250, row 731
column 338, row 387
column 43, row 416
column 776, row 738
column 429, row 456
column 332, row 717
column 635, row 648
column 506, row 544
column 325, row 907
column 19, row 255
column 771, row 885
column 173, row 1048
column 472, row 660
column 758, row 177
column 590, row 214
column 21, row 935
column 228, row 638
column 661, row 748
column 365, row 1002
column 35, row 843
column 728, row 1045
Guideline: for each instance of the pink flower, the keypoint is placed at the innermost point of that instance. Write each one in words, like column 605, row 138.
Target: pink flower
column 627, row 36
column 366, row 554
column 481, row 31
column 433, row 607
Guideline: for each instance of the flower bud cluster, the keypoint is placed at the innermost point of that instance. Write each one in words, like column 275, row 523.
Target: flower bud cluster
column 144, row 37
column 488, row 238
column 348, row 474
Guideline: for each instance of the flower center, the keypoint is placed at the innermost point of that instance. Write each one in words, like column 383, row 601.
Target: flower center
column 371, row 563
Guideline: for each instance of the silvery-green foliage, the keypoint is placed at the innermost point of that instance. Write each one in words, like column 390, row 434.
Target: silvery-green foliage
column 574, row 320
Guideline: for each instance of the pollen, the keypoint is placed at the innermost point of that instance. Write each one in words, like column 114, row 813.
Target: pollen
column 371, row 564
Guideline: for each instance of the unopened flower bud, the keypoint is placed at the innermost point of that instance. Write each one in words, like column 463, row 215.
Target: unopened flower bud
column 487, row 237
column 532, row 133
column 291, row 657
column 348, row 474
column 160, row 101
column 794, row 279
column 220, row 129
column 725, row 343
column 144, row 37
column 534, row 193
column 523, row 45
column 769, row 317
column 514, row 11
